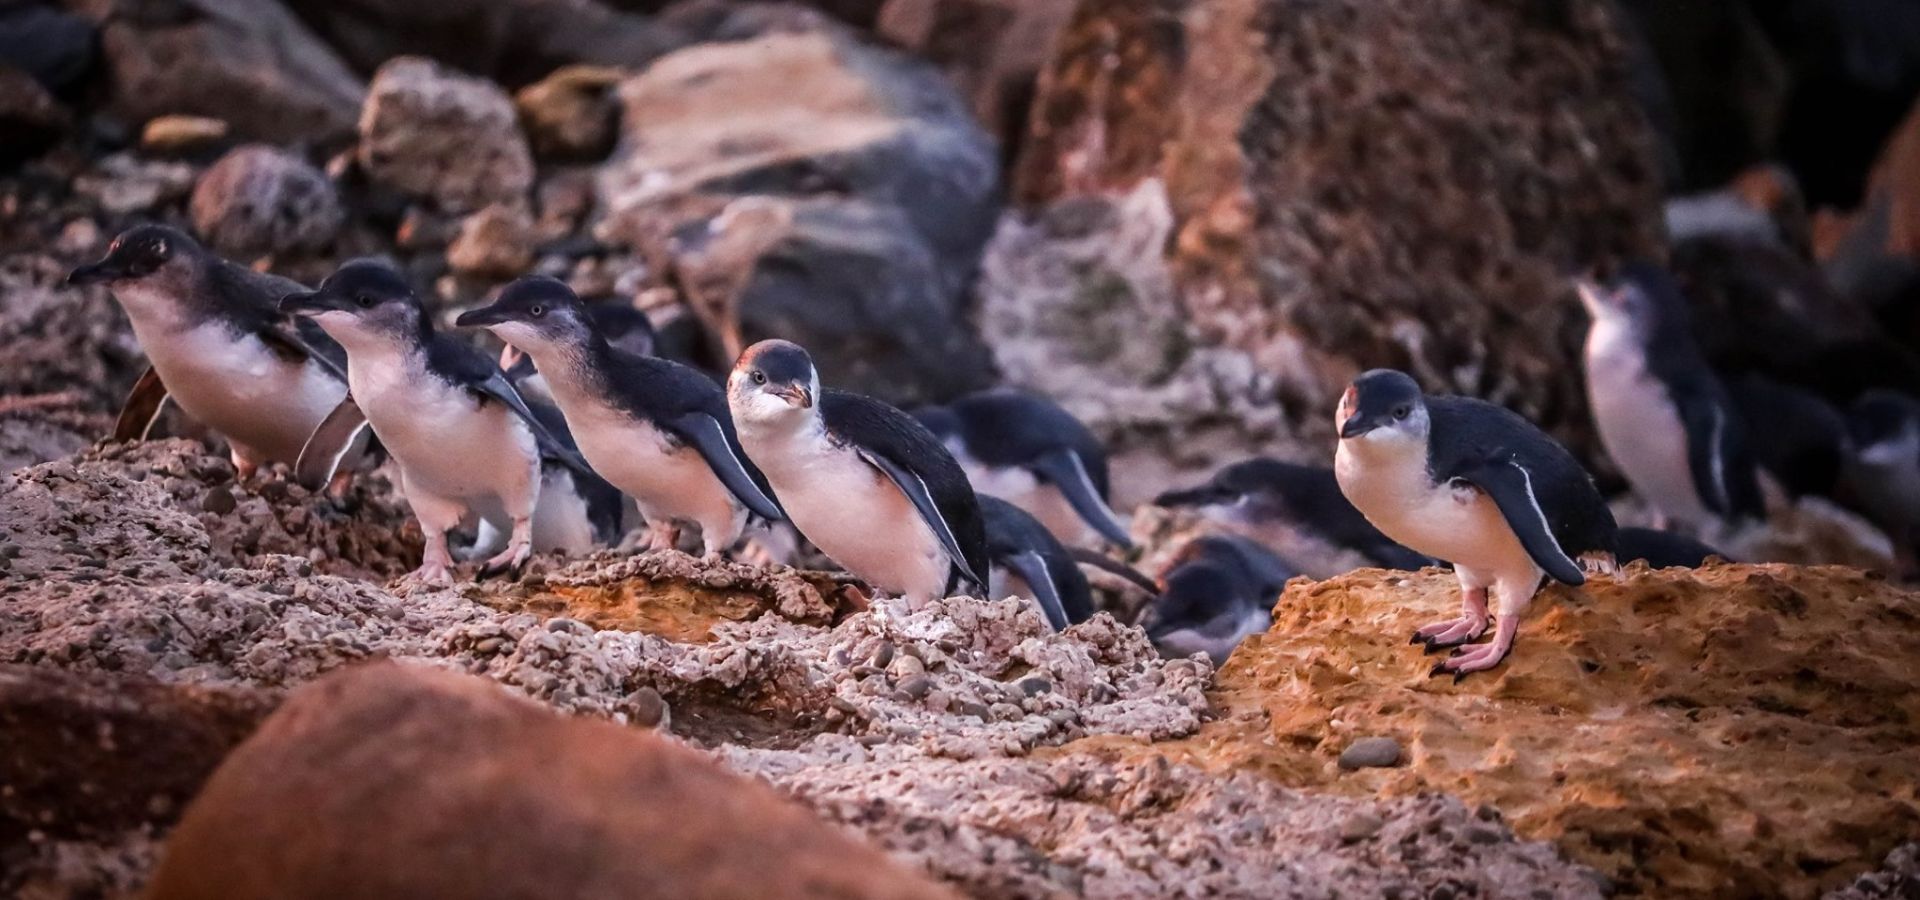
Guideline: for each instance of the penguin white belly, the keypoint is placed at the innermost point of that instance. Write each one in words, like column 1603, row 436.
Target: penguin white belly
column 1459, row 524
column 1640, row 426
column 561, row 520
column 1021, row 488
column 241, row 388
column 447, row 443
column 666, row 481
column 858, row 517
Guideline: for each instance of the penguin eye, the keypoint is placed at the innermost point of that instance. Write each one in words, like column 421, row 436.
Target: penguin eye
column 1402, row 411
column 537, row 311
column 758, row 377
column 364, row 300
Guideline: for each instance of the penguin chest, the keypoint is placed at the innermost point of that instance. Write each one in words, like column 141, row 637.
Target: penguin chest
column 666, row 478
column 448, row 443
column 1452, row 521
column 1639, row 424
column 856, row 515
column 241, row 388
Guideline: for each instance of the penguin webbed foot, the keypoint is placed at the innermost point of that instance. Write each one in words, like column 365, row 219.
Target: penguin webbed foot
column 1450, row 633
column 1480, row 658
column 430, row 574
column 511, row 562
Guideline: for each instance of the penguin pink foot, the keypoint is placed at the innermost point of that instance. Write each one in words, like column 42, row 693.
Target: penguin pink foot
column 1468, row 626
column 1480, row 657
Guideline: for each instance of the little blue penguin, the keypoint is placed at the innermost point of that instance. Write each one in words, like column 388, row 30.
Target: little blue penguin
column 1664, row 416
column 1215, row 592
column 1025, row 449
column 1474, row 484
column 464, row 439
column 1029, row 561
column 1661, row 549
column 865, row 482
column 1273, row 502
column 658, row 430
column 218, row 346
column 1883, row 473
column 622, row 326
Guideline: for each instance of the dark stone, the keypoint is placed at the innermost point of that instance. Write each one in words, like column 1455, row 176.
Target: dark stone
column 31, row 121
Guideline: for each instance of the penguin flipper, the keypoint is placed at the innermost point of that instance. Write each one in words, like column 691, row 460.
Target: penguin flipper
column 1034, row 571
column 142, row 408
column 707, row 435
column 496, row 387
column 1510, row 486
column 1717, row 457
column 336, row 436
column 916, row 490
column 1063, row 468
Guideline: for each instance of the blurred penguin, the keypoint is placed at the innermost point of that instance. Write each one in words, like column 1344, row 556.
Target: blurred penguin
column 1215, row 592
column 1293, row 510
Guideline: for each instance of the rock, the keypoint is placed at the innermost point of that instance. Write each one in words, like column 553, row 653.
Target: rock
column 1371, row 753
column 249, row 62
column 817, row 188
column 992, row 50
column 182, row 135
column 571, row 115
column 513, row 42
column 496, row 242
column 556, row 806
column 54, row 46
column 30, row 119
column 433, row 133
column 123, row 184
column 260, row 200
column 1258, row 275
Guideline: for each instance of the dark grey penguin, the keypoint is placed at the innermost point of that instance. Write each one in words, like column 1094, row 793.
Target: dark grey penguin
column 1883, row 472
column 1803, row 444
column 1661, row 549
column 623, row 327
column 1268, row 500
column 866, row 483
column 1026, row 450
column 1028, row 560
column 1664, row 416
column 660, row 431
column 1471, row 483
column 1215, row 592
column 218, row 346
column 464, row 439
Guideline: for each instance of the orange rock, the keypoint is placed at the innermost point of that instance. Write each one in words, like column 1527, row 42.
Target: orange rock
column 392, row 781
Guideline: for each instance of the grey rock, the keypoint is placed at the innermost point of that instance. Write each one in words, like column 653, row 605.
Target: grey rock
column 259, row 200
column 1371, row 753
column 433, row 133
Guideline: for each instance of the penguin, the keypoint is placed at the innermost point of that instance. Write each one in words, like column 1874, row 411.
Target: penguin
column 1476, row 485
column 1027, row 560
column 219, row 348
column 1270, row 501
column 1804, row 446
column 1663, row 415
column 464, row 439
column 618, row 322
column 660, row 431
column 1661, row 549
column 864, row 482
column 577, row 510
column 1026, row 450
column 1215, row 592
column 1883, row 472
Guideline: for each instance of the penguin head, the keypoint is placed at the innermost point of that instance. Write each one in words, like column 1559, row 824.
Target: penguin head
column 535, row 314
column 1215, row 580
column 1245, row 483
column 1642, row 298
column 364, row 301
column 139, row 253
column 1383, row 407
column 774, row 381
column 1885, row 427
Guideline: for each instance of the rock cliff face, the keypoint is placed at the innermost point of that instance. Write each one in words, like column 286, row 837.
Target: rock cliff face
column 1321, row 188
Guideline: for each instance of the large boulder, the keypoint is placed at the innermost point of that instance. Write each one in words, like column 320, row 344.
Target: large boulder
column 436, row 134
column 1307, row 211
column 813, row 187
column 259, row 200
column 993, row 50
column 391, row 781
column 249, row 62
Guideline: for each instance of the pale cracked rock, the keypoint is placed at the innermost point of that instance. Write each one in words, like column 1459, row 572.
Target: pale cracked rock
column 433, row 133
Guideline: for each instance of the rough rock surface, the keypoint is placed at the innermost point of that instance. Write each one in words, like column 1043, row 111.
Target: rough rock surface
column 813, row 187
column 555, row 806
column 430, row 132
column 572, row 115
column 496, row 242
column 1324, row 212
column 1735, row 730
column 993, row 50
column 259, row 200
column 946, row 732
column 31, row 119
column 250, row 63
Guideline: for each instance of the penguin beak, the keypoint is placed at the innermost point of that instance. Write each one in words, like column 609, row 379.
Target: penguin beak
column 1205, row 495
column 795, row 394
column 94, row 273
column 1356, row 426
column 481, row 318
column 301, row 303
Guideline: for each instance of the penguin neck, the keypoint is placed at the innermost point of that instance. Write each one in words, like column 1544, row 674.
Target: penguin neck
column 575, row 368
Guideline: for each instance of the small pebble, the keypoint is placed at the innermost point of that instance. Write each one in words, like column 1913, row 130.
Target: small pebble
column 645, row 707
column 1360, row 826
column 883, row 654
column 916, row 687
column 1034, row 687
column 218, row 501
column 975, row 709
column 1373, row 752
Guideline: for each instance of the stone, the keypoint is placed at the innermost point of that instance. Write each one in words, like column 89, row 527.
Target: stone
column 54, row 46
column 1264, row 263
column 992, row 50
column 31, row 121
column 555, row 806
column 813, row 187
column 1371, row 753
column 571, row 115
column 260, row 200
column 251, row 63
column 432, row 133
column 496, row 242
column 124, row 184
column 182, row 135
